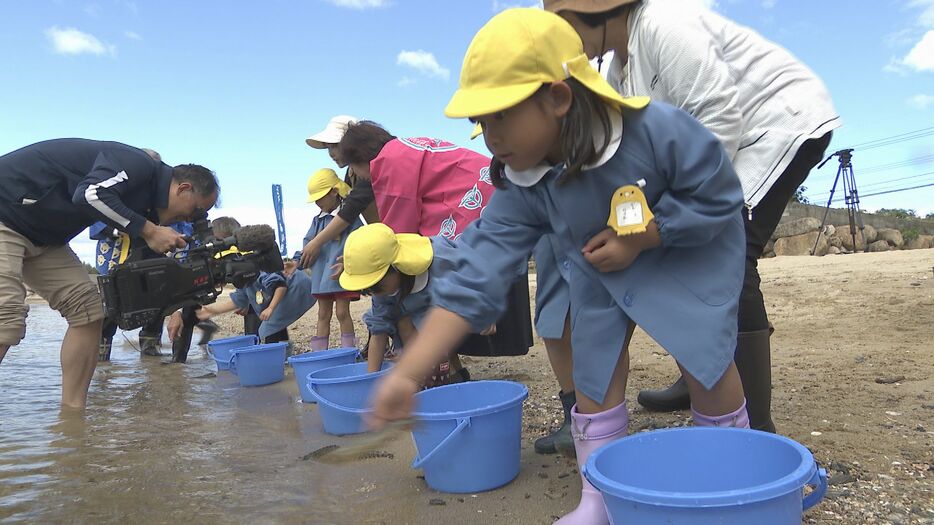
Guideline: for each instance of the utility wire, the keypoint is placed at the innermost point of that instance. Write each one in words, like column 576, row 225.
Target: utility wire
column 873, row 184
column 887, row 192
column 894, row 139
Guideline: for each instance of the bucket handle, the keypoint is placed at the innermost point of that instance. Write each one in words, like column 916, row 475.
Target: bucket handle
column 462, row 424
column 232, row 363
column 819, row 482
column 327, row 402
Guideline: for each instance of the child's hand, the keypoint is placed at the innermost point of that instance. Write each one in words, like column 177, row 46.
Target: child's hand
column 203, row 313
column 266, row 314
column 393, row 400
column 608, row 252
column 309, row 253
column 489, row 331
column 337, row 268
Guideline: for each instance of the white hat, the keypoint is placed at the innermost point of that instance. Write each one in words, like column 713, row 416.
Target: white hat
column 332, row 133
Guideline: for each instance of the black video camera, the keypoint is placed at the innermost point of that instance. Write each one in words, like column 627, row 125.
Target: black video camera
column 137, row 293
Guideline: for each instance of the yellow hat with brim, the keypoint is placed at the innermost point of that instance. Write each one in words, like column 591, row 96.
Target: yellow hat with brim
column 517, row 52
column 322, row 181
column 370, row 250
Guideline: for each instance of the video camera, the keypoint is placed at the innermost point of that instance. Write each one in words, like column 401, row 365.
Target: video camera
column 137, row 293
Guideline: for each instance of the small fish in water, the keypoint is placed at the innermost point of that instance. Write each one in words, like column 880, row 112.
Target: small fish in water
column 363, row 447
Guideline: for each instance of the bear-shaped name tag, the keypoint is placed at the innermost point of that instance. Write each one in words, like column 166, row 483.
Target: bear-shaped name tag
column 629, row 211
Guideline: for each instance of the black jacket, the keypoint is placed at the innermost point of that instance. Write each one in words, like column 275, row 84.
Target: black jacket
column 51, row 191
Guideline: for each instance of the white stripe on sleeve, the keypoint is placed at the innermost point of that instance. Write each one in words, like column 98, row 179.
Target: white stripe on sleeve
column 90, row 195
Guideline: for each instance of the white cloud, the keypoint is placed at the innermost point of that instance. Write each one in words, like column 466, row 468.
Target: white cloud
column 921, row 101
column 132, row 35
column 502, row 6
column 360, row 4
column 70, row 41
column 423, row 62
column 921, row 56
column 768, row 4
column 406, row 82
column 927, row 11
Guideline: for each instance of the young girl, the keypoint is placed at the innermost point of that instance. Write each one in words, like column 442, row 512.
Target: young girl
column 280, row 298
column 569, row 153
column 327, row 191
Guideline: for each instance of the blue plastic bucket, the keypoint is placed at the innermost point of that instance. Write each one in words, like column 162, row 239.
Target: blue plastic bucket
column 221, row 349
column 694, row 476
column 260, row 364
column 343, row 393
column 468, row 435
column 304, row 364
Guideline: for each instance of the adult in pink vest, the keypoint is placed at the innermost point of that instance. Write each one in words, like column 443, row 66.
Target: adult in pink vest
column 435, row 188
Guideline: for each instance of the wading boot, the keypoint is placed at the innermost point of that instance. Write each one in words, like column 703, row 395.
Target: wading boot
column 673, row 398
column 149, row 345
column 561, row 437
column 754, row 363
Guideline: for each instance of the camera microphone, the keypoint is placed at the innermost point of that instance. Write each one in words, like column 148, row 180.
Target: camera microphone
column 255, row 237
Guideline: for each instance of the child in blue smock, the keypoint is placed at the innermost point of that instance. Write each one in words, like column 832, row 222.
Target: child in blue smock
column 400, row 272
column 327, row 191
column 280, row 298
column 644, row 206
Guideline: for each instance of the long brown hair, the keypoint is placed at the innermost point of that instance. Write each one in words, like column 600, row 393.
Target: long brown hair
column 575, row 135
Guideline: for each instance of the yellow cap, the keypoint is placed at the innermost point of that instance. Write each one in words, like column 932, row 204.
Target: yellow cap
column 515, row 53
column 321, row 182
column 370, row 250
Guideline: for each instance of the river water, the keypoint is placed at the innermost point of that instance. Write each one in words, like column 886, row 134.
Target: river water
column 160, row 443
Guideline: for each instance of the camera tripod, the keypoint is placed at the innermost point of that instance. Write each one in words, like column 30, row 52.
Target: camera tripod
column 850, row 196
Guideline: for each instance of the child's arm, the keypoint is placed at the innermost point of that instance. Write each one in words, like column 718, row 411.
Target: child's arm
column 330, row 232
column 469, row 292
column 220, row 307
column 394, row 397
column 375, row 350
column 277, row 297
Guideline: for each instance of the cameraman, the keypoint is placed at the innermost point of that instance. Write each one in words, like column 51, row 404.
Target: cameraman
column 49, row 193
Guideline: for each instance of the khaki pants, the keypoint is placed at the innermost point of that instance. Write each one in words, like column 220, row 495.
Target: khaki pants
column 54, row 272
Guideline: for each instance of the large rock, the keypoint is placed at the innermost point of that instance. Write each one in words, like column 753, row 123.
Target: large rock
column 870, row 233
column 796, row 227
column 833, row 250
column 801, row 244
column 891, row 236
column 835, row 241
column 879, row 246
column 846, row 240
column 921, row 242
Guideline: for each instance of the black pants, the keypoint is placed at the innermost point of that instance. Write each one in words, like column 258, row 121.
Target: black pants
column 278, row 337
column 765, row 217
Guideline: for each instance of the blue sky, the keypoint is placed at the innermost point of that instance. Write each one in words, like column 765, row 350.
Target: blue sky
column 237, row 86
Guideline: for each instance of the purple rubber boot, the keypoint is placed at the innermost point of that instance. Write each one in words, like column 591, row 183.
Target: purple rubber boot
column 319, row 343
column 736, row 419
column 590, row 432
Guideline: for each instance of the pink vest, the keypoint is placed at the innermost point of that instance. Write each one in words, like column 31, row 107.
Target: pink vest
column 430, row 187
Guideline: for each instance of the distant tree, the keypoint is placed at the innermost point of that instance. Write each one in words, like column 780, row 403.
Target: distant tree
column 90, row 269
column 929, row 216
column 898, row 213
column 799, row 195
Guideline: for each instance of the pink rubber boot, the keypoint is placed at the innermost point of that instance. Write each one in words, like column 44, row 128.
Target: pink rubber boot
column 349, row 340
column 736, row 419
column 590, row 432
column 319, row 343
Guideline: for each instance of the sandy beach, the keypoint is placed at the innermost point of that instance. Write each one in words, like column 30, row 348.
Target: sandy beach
column 853, row 355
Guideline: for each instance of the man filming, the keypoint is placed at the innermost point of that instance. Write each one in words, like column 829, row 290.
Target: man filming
column 49, row 193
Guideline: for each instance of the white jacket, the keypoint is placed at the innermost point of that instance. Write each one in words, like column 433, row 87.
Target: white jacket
column 758, row 99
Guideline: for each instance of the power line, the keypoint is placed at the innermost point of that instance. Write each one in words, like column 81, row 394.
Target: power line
column 894, row 139
column 870, row 185
column 889, row 191
column 924, row 159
